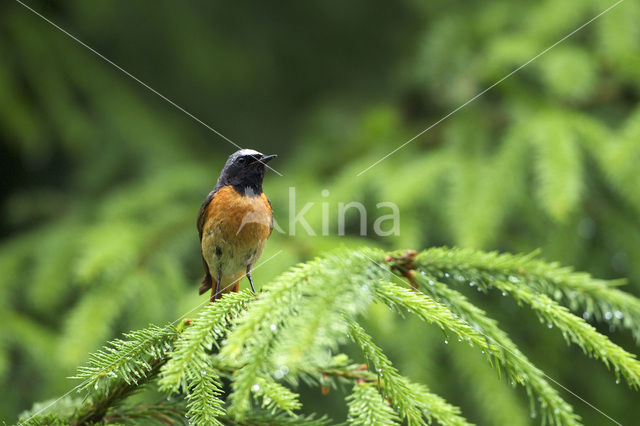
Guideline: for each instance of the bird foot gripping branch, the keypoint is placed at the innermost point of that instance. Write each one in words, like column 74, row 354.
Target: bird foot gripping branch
column 403, row 264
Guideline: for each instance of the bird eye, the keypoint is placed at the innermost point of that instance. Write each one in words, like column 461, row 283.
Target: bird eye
column 242, row 160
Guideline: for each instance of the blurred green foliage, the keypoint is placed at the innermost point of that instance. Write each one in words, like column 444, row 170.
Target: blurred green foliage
column 102, row 179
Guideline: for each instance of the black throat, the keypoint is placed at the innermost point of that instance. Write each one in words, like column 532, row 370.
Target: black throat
column 246, row 183
column 249, row 189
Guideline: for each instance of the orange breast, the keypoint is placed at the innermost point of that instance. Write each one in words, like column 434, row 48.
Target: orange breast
column 238, row 220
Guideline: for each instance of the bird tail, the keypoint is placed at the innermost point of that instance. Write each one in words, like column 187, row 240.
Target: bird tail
column 206, row 284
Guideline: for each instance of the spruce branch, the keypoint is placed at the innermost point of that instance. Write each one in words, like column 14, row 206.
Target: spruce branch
column 434, row 313
column 293, row 330
column 121, row 368
column 520, row 370
column 275, row 396
column 553, row 407
column 341, row 369
column 594, row 298
column 203, row 403
column 575, row 330
column 252, row 338
column 298, row 320
column 128, row 360
column 308, row 338
column 189, row 356
column 109, row 396
column 412, row 401
column 368, row 407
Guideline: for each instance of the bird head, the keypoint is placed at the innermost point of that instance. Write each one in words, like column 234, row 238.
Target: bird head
column 244, row 170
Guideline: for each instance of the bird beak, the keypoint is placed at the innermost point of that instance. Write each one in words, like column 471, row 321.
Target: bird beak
column 265, row 159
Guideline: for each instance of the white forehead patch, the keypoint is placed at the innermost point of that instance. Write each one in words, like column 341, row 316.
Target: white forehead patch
column 243, row 152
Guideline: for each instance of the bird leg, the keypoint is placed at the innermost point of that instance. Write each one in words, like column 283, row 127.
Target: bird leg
column 248, row 274
column 214, row 295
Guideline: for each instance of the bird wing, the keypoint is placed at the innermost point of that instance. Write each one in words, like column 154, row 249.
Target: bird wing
column 270, row 224
column 207, row 281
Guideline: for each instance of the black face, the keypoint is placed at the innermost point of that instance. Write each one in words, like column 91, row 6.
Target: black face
column 244, row 170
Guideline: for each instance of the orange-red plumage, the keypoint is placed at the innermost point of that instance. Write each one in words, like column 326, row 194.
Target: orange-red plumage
column 247, row 219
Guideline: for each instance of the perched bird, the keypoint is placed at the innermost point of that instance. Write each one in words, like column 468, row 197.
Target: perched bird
column 234, row 223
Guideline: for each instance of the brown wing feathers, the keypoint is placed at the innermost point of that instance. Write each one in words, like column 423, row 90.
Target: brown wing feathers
column 207, row 281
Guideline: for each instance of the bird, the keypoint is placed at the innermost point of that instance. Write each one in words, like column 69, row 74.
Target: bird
column 234, row 223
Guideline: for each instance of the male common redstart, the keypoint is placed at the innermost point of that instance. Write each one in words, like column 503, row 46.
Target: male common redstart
column 234, row 223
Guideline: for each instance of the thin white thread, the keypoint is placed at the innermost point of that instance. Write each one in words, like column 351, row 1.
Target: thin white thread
column 81, row 385
column 133, row 77
column 492, row 86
